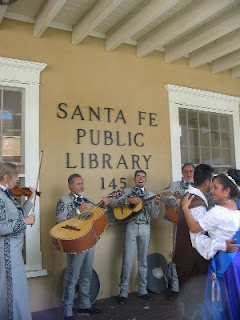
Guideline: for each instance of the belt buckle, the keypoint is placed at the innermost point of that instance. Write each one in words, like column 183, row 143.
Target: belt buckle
column 140, row 222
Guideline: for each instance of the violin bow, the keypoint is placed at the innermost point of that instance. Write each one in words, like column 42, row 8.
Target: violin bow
column 39, row 169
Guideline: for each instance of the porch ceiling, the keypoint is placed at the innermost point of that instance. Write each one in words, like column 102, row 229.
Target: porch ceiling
column 204, row 31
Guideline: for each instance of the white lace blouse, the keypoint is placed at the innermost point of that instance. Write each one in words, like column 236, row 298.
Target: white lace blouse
column 221, row 225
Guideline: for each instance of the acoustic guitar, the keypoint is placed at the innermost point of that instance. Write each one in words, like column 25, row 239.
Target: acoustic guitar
column 82, row 232
column 171, row 212
column 126, row 212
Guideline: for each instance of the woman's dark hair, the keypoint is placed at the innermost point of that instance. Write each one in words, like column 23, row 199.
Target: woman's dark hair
column 230, row 180
column 235, row 174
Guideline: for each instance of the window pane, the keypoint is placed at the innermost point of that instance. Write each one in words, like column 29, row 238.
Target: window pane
column 12, row 111
column 203, row 120
column 206, row 155
column 11, row 146
column 192, row 119
column 226, row 157
column 215, row 139
column 193, row 137
column 204, row 137
column 11, row 128
column 184, row 137
column 224, row 123
column 214, row 121
column 216, row 156
column 194, row 155
column 183, row 117
column 225, row 138
column 184, row 154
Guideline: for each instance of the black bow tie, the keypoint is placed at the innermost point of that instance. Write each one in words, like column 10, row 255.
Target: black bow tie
column 187, row 184
column 138, row 191
column 78, row 200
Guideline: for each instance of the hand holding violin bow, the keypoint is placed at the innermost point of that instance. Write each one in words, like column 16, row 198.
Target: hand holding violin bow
column 30, row 219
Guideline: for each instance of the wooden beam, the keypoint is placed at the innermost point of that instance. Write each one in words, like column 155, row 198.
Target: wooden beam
column 236, row 72
column 213, row 32
column 3, row 9
column 93, row 18
column 46, row 15
column 215, row 50
column 192, row 16
column 138, row 21
column 229, row 61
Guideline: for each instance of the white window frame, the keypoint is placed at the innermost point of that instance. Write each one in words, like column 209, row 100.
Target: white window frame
column 200, row 100
column 26, row 74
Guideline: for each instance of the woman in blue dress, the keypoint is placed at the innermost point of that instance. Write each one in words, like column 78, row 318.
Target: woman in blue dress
column 222, row 222
column 14, row 299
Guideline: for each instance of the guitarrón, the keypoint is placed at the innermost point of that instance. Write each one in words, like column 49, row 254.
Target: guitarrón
column 81, row 232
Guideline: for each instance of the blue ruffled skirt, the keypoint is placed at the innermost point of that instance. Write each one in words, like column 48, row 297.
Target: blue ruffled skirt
column 222, row 297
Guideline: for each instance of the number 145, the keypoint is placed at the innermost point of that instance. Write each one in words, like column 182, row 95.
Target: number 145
column 114, row 183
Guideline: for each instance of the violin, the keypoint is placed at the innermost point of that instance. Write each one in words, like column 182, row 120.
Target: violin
column 22, row 191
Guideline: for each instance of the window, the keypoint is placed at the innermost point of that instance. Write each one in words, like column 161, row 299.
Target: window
column 204, row 129
column 12, row 125
column 19, row 138
column 207, row 137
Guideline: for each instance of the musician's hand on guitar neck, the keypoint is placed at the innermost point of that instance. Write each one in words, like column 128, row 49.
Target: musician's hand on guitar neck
column 105, row 200
column 133, row 200
column 84, row 206
column 157, row 199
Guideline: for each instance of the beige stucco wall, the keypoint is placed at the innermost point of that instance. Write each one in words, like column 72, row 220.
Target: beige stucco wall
column 87, row 75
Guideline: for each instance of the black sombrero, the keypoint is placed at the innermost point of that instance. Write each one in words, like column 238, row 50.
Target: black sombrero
column 157, row 275
column 93, row 291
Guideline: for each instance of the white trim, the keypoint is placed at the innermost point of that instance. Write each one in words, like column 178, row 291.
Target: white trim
column 35, row 274
column 64, row 27
column 199, row 100
column 26, row 75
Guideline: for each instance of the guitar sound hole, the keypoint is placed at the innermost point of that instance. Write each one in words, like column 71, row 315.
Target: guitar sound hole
column 67, row 226
column 86, row 216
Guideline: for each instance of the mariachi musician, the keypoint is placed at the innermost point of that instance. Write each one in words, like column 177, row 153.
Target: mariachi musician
column 137, row 232
column 79, row 265
column 171, row 198
column 14, row 297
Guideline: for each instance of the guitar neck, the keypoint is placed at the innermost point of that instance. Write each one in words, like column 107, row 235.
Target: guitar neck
column 88, row 201
column 111, row 195
column 99, row 204
column 149, row 199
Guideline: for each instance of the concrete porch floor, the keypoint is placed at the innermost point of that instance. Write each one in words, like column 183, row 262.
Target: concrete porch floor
column 135, row 309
